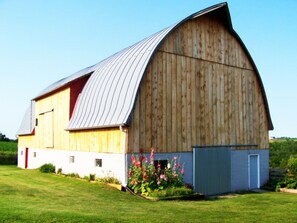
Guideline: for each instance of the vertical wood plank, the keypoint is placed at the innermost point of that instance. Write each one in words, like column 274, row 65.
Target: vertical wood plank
column 159, row 96
column 178, row 102
column 170, row 100
column 154, row 112
column 165, row 94
column 174, row 87
column 189, row 127
column 184, row 114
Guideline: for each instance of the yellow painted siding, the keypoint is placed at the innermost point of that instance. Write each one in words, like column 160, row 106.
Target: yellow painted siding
column 52, row 113
column 199, row 89
column 98, row 140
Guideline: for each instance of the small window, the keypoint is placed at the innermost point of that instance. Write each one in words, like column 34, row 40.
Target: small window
column 163, row 164
column 22, row 152
column 36, row 122
column 71, row 159
column 34, row 154
column 98, row 162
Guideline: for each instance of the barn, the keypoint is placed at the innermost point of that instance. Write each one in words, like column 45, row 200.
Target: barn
column 191, row 90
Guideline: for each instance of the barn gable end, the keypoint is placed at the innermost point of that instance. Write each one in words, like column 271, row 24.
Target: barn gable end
column 201, row 88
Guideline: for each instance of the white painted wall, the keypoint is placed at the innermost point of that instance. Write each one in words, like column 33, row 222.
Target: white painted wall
column 113, row 165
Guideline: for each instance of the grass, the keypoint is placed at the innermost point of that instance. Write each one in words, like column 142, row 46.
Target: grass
column 31, row 196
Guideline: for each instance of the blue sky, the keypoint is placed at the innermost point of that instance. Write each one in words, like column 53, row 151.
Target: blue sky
column 44, row 41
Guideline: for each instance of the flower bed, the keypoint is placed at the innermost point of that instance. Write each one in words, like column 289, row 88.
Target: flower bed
column 192, row 196
column 148, row 180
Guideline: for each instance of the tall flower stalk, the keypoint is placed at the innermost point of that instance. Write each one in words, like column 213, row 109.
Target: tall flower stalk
column 144, row 177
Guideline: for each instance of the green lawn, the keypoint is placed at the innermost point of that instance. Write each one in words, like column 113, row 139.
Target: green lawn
column 31, row 196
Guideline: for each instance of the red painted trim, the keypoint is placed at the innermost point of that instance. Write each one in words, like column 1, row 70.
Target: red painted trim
column 75, row 89
column 26, row 157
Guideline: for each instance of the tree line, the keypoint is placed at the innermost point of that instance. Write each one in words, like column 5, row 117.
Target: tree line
column 281, row 150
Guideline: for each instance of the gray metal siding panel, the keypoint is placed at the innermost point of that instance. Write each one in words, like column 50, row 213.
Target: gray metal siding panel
column 239, row 168
column 264, row 166
column 212, row 170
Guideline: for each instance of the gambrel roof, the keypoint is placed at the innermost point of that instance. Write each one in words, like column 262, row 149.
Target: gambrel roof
column 108, row 97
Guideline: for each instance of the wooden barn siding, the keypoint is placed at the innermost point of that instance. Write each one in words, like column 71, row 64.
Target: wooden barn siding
column 99, row 140
column 199, row 89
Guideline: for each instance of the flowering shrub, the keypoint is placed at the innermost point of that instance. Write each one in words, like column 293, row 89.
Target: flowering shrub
column 144, row 177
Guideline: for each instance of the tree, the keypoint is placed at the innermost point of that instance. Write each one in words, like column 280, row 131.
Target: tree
column 3, row 137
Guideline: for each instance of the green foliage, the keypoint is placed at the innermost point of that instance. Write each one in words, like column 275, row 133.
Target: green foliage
column 111, row 180
column 289, row 182
column 3, row 137
column 59, row 171
column 8, row 153
column 281, row 151
column 8, row 158
column 73, row 175
column 9, row 146
column 172, row 191
column 47, row 168
column 145, row 178
column 292, row 165
column 92, row 177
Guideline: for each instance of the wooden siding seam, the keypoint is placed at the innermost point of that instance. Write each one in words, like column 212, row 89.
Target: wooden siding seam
column 205, row 60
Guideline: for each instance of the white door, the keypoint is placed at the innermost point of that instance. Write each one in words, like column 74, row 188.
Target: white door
column 254, row 175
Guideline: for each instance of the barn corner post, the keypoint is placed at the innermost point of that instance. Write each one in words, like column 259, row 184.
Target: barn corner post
column 124, row 130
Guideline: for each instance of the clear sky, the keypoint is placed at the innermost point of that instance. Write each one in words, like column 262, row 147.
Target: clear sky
column 44, row 41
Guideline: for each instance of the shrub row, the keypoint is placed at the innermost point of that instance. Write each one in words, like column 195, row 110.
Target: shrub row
column 8, row 158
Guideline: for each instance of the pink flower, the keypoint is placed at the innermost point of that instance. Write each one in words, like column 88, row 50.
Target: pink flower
column 133, row 159
column 142, row 158
column 130, row 173
column 182, row 171
column 137, row 163
column 178, row 165
column 163, row 177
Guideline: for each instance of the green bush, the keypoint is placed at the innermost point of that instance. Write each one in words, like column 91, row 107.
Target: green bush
column 8, row 153
column 92, row 177
column 8, row 158
column 280, row 152
column 47, row 168
column 172, row 191
column 110, row 180
column 292, row 165
column 74, row 175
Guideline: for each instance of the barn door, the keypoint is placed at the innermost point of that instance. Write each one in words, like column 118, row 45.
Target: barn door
column 26, row 157
column 254, row 171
